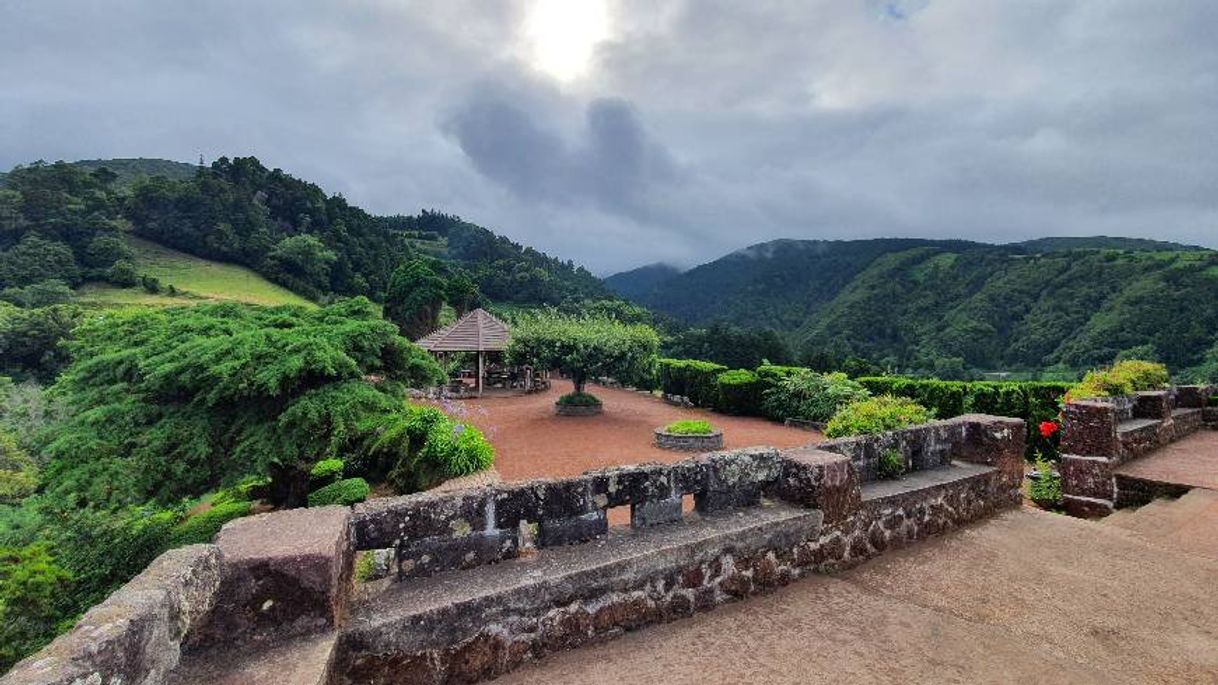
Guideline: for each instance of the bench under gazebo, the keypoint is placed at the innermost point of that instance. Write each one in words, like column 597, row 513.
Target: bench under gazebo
column 477, row 332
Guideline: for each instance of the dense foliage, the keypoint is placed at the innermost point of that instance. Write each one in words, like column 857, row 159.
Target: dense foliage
column 691, row 378
column 1123, row 378
column 173, row 402
column 731, row 346
column 877, row 415
column 1034, row 402
column 811, row 396
column 585, row 348
column 947, row 308
column 59, row 225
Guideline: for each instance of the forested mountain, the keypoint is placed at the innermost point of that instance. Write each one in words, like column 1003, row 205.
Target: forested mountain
column 238, row 211
column 911, row 304
column 638, row 282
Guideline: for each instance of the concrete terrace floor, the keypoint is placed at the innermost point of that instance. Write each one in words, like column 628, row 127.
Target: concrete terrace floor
column 1192, row 461
column 1025, row 597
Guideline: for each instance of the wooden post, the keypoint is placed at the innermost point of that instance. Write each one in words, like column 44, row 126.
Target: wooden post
column 480, row 373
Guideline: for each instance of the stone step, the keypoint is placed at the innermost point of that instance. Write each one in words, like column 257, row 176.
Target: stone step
column 300, row 661
column 1189, row 523
column 922, row 480
column 563, row 596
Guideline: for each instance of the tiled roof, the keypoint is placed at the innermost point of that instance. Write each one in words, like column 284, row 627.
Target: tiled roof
column 477, row 331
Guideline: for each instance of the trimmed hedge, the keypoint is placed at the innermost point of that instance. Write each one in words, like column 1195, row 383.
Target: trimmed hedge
column 739, row 392
column 345, row 492
column 691, row 378
column 325, row 472
column 1032, row 401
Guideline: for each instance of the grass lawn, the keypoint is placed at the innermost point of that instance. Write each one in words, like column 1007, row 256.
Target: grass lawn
column 196, row 280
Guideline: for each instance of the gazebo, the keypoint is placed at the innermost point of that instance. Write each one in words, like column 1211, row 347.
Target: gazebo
column 478, row 331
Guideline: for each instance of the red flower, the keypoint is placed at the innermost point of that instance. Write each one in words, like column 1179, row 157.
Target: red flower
column 1047, row 429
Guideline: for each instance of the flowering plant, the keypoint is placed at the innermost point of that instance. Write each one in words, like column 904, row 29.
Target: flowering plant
column 1048, row 428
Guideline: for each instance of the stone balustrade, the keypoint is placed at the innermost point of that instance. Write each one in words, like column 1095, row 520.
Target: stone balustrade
column 764, row 517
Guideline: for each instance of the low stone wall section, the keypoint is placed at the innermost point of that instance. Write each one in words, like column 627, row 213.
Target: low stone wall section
column 134, row 636
column 1100, row 435
column 707, row 442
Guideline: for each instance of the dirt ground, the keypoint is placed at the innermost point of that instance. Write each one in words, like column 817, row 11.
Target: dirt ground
column 1192, row 461
column 532, row 442
column 1027, row 597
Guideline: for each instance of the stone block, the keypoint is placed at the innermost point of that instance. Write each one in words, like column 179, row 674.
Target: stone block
column 819, row 480
column 1152, row 404
column 284, row 573
column 419, row 558
column 655, row 512
column 565, row 498
column 996, row 441
column 1089, row 477
column 740, row 468
column 689, row 476
column 1089, row 428
column 573, row 530
column 381, row 522
column 630, row 484
column 1086, row 508
column 516, row 502
column 711, row 501
column 1192, row 396
column 135, row 635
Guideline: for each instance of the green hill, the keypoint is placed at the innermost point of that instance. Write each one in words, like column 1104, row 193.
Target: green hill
column 913, row 303
column 638, row 282
column 194, row 278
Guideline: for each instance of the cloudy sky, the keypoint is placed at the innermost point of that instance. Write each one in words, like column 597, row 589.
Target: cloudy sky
column 618, row 133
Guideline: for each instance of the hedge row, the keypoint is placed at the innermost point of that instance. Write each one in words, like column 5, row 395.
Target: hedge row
column 1032, row 401
column 741, row 391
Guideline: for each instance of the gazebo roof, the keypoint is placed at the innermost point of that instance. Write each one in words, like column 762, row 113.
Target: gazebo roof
column 477, row 331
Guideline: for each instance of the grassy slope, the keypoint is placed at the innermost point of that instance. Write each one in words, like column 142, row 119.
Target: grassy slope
column 197, row 279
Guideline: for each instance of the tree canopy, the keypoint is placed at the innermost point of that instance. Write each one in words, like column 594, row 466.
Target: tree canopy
column 585, row 348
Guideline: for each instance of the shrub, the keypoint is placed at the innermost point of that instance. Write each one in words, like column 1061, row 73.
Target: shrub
column 344, row 492
column 579, row 399
column 811, row 396
column 203, row 526
column 738, row 392
column 247, row 489
column 435, row 448
column 877, row 415
column 892, row 464
column 689, row 427
column 325, row 472
column 34, row 601
column 1046, row 487
column 18, row 477
column 1123, row 378
column 691, row 378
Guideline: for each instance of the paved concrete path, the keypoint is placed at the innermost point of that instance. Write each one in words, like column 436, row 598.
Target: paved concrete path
column 1192, row 461
column 1027, row 597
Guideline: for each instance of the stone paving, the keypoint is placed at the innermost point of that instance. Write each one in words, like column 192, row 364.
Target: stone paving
column 1027, row 597
column 1192, row 461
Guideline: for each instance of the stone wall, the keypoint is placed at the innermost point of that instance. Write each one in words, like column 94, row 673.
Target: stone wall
column 764, row 518
column 1101, row 434
column 707, row 442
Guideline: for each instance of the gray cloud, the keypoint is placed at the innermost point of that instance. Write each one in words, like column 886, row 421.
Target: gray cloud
column 698, row 127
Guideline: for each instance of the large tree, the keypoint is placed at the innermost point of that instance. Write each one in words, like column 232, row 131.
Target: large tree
column 416, row 294
column 584, row 348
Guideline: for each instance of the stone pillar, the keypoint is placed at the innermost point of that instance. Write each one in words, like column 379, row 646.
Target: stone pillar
column 284, row 573
column 816, row 479
column 1090, row 450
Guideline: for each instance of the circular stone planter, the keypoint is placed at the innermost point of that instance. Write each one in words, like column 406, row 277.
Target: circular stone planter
column 706, row 442
column 577, row 409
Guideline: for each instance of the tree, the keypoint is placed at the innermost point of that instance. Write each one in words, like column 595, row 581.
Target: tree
column 416, row 294
column 36, row 259
column 302, row 262
column 165, row 404
column 584, row 348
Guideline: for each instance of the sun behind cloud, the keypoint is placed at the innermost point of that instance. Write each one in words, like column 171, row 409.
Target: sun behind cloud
column 562, row 35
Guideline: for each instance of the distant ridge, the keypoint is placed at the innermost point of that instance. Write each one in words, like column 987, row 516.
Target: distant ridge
column 638, row 282
column 908, row 302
